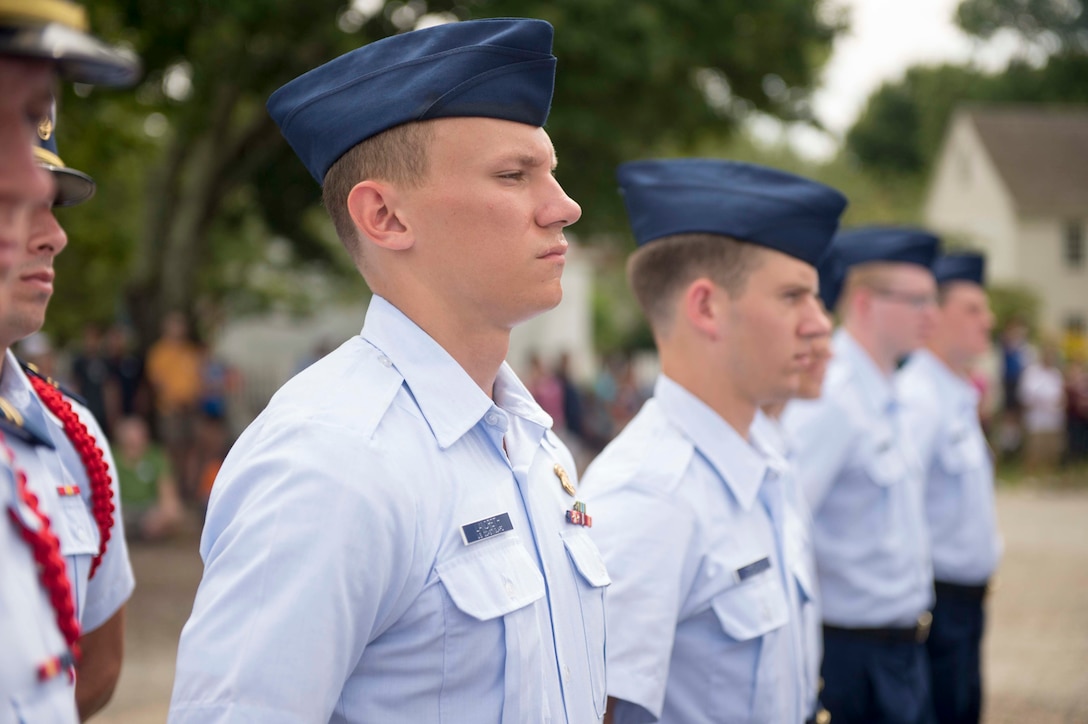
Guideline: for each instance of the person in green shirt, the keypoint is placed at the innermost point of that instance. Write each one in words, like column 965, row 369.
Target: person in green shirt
column 152, row 507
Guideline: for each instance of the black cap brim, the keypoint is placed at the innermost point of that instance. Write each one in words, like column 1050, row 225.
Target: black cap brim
column 73, row 187
column 80, row 57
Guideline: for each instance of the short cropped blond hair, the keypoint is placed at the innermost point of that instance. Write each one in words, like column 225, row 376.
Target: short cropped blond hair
column 661, row 269
column 398, row 155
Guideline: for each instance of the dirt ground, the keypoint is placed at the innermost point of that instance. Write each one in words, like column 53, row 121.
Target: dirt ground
column 1036, row 650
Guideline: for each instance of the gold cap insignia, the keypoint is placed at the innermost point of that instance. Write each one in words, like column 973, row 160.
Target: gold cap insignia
column 45, row 128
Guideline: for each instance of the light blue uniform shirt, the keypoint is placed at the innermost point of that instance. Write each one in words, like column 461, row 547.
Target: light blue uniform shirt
column 699, row 612
column 97, row 599
column 337, row 585
column 801, row 561
column 941, row 409
column 864, row 485
column 29, row 636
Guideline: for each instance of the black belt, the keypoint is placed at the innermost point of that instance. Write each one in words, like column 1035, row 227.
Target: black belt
column 955, row 590
column 918, row 633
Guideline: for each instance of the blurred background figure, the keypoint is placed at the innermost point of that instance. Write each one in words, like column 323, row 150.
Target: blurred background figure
column 1015, row 356
column 127, row 393
column 1042, row 395
column 90, row 373
column 1076, row 412
column 149, row 494
column 174, row 371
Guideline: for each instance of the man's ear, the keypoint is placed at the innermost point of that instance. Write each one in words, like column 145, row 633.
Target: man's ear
column 373, row 208
column 704, row 306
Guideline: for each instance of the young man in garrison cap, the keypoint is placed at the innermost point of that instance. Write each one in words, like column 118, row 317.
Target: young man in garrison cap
column 799, row 528
column 941, row 408
column 39, row 624
column 864, row 484
column 392, row 540
column 689, row 504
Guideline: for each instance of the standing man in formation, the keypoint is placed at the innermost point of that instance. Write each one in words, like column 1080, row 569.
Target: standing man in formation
column 864, row 484
column 44, row 594
column 941, row 408
column 396, row 538
column 689, row 504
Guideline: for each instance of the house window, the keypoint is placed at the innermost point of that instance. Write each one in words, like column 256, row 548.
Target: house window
column 1074, row 244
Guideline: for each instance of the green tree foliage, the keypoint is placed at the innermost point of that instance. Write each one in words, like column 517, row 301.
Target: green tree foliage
column 901, row 127
column 903, row 123
column 1061, row 23
column 202, row 205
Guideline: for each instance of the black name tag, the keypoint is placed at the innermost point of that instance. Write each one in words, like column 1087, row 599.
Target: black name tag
column 486, row 528
column 752, row 569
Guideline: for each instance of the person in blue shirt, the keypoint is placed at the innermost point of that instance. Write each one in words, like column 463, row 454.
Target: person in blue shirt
column 940, row 405
column 40, row 599
column 399, row 536
column 689, row 503
column 864, row 484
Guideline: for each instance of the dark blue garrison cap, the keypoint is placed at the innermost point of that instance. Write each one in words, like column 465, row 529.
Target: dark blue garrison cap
column 966, row 266
column 886, row 243
column 500, row 68
column 832, row 273
column 749, row 203
column 73, row 187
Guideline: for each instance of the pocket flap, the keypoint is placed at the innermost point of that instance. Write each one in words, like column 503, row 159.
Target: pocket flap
column 77, row 531
column 752, row 609
column 492, row 581
column 587, row 559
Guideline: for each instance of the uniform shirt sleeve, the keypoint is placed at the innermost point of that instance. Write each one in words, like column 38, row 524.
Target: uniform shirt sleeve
column 113, row 582
column 821, row 437
column 308, row 555
column 644, row 538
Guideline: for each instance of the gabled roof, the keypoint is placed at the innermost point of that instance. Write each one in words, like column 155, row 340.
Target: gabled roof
column 1041, row 153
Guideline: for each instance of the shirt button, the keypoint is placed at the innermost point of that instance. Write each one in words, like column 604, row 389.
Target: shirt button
column 385, row 361
column 509, row 588
column 566, row 674
column 491, row 418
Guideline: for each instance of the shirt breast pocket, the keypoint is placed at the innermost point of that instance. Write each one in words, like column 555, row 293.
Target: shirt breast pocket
column 886, row 466
column 753, row 608
column 592, row 579
column 78, row 533
column 491, row 630
column 961, row 453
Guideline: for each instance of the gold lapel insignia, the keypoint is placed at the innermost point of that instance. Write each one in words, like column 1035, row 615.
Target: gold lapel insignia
column 564, row 480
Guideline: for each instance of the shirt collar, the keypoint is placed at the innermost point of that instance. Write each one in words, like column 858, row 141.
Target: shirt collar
column 876, row 387
column 450, row 401
column 738, row 463
column 955, row 387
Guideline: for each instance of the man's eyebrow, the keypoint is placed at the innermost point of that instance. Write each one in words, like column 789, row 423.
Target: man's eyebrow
column 527, row 160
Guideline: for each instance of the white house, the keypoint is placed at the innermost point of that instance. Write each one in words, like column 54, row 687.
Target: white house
column 1013, row 182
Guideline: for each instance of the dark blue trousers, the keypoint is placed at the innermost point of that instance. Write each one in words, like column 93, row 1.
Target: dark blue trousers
column 954, row 644
column 871, row 681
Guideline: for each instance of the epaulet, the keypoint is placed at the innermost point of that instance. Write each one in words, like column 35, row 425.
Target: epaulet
column 33, row 371
column 14, row 425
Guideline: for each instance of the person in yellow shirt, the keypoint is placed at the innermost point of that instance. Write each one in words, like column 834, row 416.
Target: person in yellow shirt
column 173, row 370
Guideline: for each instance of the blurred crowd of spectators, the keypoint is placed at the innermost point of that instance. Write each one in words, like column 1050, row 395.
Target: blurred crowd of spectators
column 166, row 415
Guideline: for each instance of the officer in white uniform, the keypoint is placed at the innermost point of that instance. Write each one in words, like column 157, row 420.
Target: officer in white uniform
column 397, row 537
column 864, row 484
column 87, row 498
column 690, row 503
column 941, row 406
column 38, row 612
